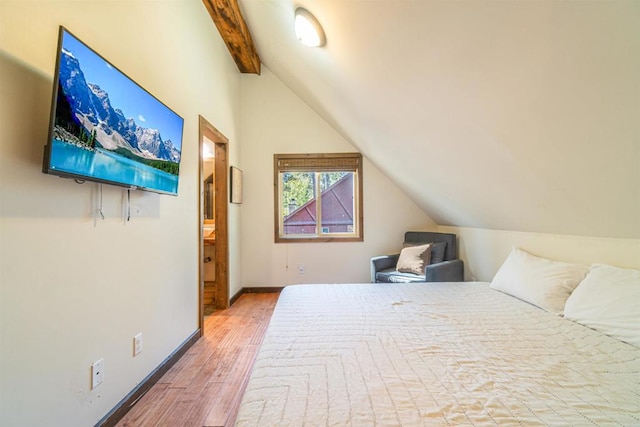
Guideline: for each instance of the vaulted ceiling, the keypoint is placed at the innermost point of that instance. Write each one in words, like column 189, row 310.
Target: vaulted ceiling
column 512, row 115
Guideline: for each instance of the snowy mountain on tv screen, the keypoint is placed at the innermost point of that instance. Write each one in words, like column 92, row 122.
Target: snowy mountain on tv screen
column 91, row 108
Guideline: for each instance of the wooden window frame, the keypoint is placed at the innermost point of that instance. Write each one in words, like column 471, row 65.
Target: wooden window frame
column 316, row 161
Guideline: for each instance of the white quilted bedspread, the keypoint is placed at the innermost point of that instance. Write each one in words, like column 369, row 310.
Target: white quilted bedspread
column 434, row 354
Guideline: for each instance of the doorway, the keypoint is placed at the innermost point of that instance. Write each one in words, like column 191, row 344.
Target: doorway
column 213, row 219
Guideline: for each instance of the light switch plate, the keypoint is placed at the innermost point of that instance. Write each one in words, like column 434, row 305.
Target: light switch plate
column 137, row 344
column 97, row 373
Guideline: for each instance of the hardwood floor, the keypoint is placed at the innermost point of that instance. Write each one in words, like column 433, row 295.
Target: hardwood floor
column 205, row 386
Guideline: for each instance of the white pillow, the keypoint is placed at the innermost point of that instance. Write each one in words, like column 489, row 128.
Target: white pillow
column 539, row 281
column 608, row 300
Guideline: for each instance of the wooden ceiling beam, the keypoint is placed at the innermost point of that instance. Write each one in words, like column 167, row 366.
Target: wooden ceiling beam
column 235, row 33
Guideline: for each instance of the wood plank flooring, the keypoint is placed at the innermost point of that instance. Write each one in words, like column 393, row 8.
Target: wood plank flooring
column 205, row 386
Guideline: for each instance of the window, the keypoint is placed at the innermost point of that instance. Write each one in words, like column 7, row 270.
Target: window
column 302, row 216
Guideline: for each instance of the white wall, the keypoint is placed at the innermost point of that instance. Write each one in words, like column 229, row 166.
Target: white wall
column 511, row 115
column 274, row 120
column 75, row 288
column 484, row 251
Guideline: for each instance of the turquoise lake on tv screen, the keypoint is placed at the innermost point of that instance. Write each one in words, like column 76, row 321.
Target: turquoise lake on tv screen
column 107, row 166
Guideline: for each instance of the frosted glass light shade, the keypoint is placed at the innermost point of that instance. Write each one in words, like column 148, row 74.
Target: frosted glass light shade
column 308, row 29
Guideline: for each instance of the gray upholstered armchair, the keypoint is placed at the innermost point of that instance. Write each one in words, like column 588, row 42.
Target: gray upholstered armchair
column 445, row 265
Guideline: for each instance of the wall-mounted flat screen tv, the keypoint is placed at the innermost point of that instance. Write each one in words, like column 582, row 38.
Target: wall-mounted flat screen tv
column 104, row 127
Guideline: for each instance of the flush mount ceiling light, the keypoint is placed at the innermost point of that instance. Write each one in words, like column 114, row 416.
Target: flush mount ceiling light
column 308, row 29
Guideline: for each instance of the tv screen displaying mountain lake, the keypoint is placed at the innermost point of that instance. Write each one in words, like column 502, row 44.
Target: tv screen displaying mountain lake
column 109, row 128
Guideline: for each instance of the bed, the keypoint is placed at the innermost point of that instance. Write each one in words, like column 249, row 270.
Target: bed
column 434, row 354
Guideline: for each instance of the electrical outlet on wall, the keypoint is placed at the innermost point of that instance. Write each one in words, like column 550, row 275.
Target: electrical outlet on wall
column 137, row 344
column 301, row 268
column 97, row 373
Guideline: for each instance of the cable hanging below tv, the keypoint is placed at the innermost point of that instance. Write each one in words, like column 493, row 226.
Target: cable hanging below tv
column 104, row 127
